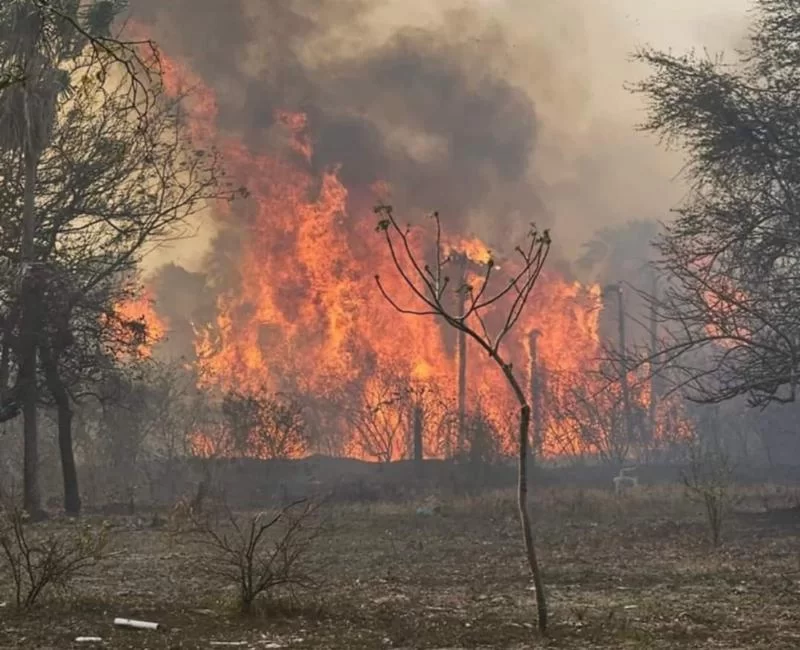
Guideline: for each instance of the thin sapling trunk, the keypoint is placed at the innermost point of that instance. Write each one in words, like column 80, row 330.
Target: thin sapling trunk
column 428, row 285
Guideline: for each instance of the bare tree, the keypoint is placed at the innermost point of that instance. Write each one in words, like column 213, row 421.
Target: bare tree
column 36, row 563
column 264, row 424
column 591, row 413
column 429, row 285
column 709, row 480
column 731, row 259
column 380, row 417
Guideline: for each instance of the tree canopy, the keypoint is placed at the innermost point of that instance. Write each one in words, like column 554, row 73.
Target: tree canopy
column 732, row 257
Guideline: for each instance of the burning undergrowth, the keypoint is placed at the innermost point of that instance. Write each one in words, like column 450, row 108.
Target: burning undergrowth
column 286, row 310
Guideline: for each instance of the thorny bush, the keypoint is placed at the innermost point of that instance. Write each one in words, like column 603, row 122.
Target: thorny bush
column 37, row 562
column 262, row 552
column 708, row 480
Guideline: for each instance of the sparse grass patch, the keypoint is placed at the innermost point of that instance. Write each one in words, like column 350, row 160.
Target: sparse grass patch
column 626, row 574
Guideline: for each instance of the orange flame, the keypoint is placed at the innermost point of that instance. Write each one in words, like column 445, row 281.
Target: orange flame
column 138, row 326
column 473, row 249
column 304, row 314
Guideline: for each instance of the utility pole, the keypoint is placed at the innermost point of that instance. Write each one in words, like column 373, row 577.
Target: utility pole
column 623, row 365
column 461, row 349
column 417, row 423
column 535, row 392
column 654, row 383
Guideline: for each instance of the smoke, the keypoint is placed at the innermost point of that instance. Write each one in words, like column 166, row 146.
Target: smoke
column 496, row 112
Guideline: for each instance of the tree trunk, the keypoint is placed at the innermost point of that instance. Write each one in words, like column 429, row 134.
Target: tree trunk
column 28, row 362
column 31, row 499
column 522, row 491
column 418, row 442
column 527, row 534
column 9, row 395
column 72, row 499
column 29, row 323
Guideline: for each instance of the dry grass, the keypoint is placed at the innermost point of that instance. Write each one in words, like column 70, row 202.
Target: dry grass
column 635, row 572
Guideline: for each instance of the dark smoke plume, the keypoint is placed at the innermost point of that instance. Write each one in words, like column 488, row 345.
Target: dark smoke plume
column 424, row 109
column 495, row 112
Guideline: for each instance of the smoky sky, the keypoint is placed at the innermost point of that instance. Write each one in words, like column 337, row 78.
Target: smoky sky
column 495, row 112
column 423, row 109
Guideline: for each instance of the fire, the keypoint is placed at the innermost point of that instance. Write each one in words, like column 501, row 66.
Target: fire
column 139, row 327
column 303, row 316
column 473, row 249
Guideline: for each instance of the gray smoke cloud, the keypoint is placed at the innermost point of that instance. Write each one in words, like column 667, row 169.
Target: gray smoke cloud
column 496, row 112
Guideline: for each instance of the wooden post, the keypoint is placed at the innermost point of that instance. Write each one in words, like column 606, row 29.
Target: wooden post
column 536, row 392
column 623, row 374
column 654, row 383
column 417, row 417
column 461, row 353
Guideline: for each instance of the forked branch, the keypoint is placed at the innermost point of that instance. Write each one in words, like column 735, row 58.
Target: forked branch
column 428, row 286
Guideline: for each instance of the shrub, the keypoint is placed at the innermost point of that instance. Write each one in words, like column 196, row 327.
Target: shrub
column 38, row 562
column 708, row 480
column 261, row 552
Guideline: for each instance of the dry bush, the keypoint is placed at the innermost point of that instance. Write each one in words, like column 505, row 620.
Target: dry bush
column 261, row 552
column 709, row 481
column 36, row 562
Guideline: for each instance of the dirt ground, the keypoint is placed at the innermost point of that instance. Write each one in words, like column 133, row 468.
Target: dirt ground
column 635, row 572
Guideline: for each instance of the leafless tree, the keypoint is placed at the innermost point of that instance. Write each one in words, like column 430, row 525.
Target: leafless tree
column 380, row 417
column 265, row 424
column 731, row 259
column 36, row 562
column 589, row 407
column 709, row 480
column 430, row 285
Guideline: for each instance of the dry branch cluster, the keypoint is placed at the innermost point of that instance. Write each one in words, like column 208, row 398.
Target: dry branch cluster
column 731, row 258
column 260, row 553
column 35, row 562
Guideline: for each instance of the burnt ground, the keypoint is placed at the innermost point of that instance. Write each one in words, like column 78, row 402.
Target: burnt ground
column 630, row 573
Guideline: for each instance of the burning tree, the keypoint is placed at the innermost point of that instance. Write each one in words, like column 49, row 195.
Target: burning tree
column 732, row 256
column 430, row 285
